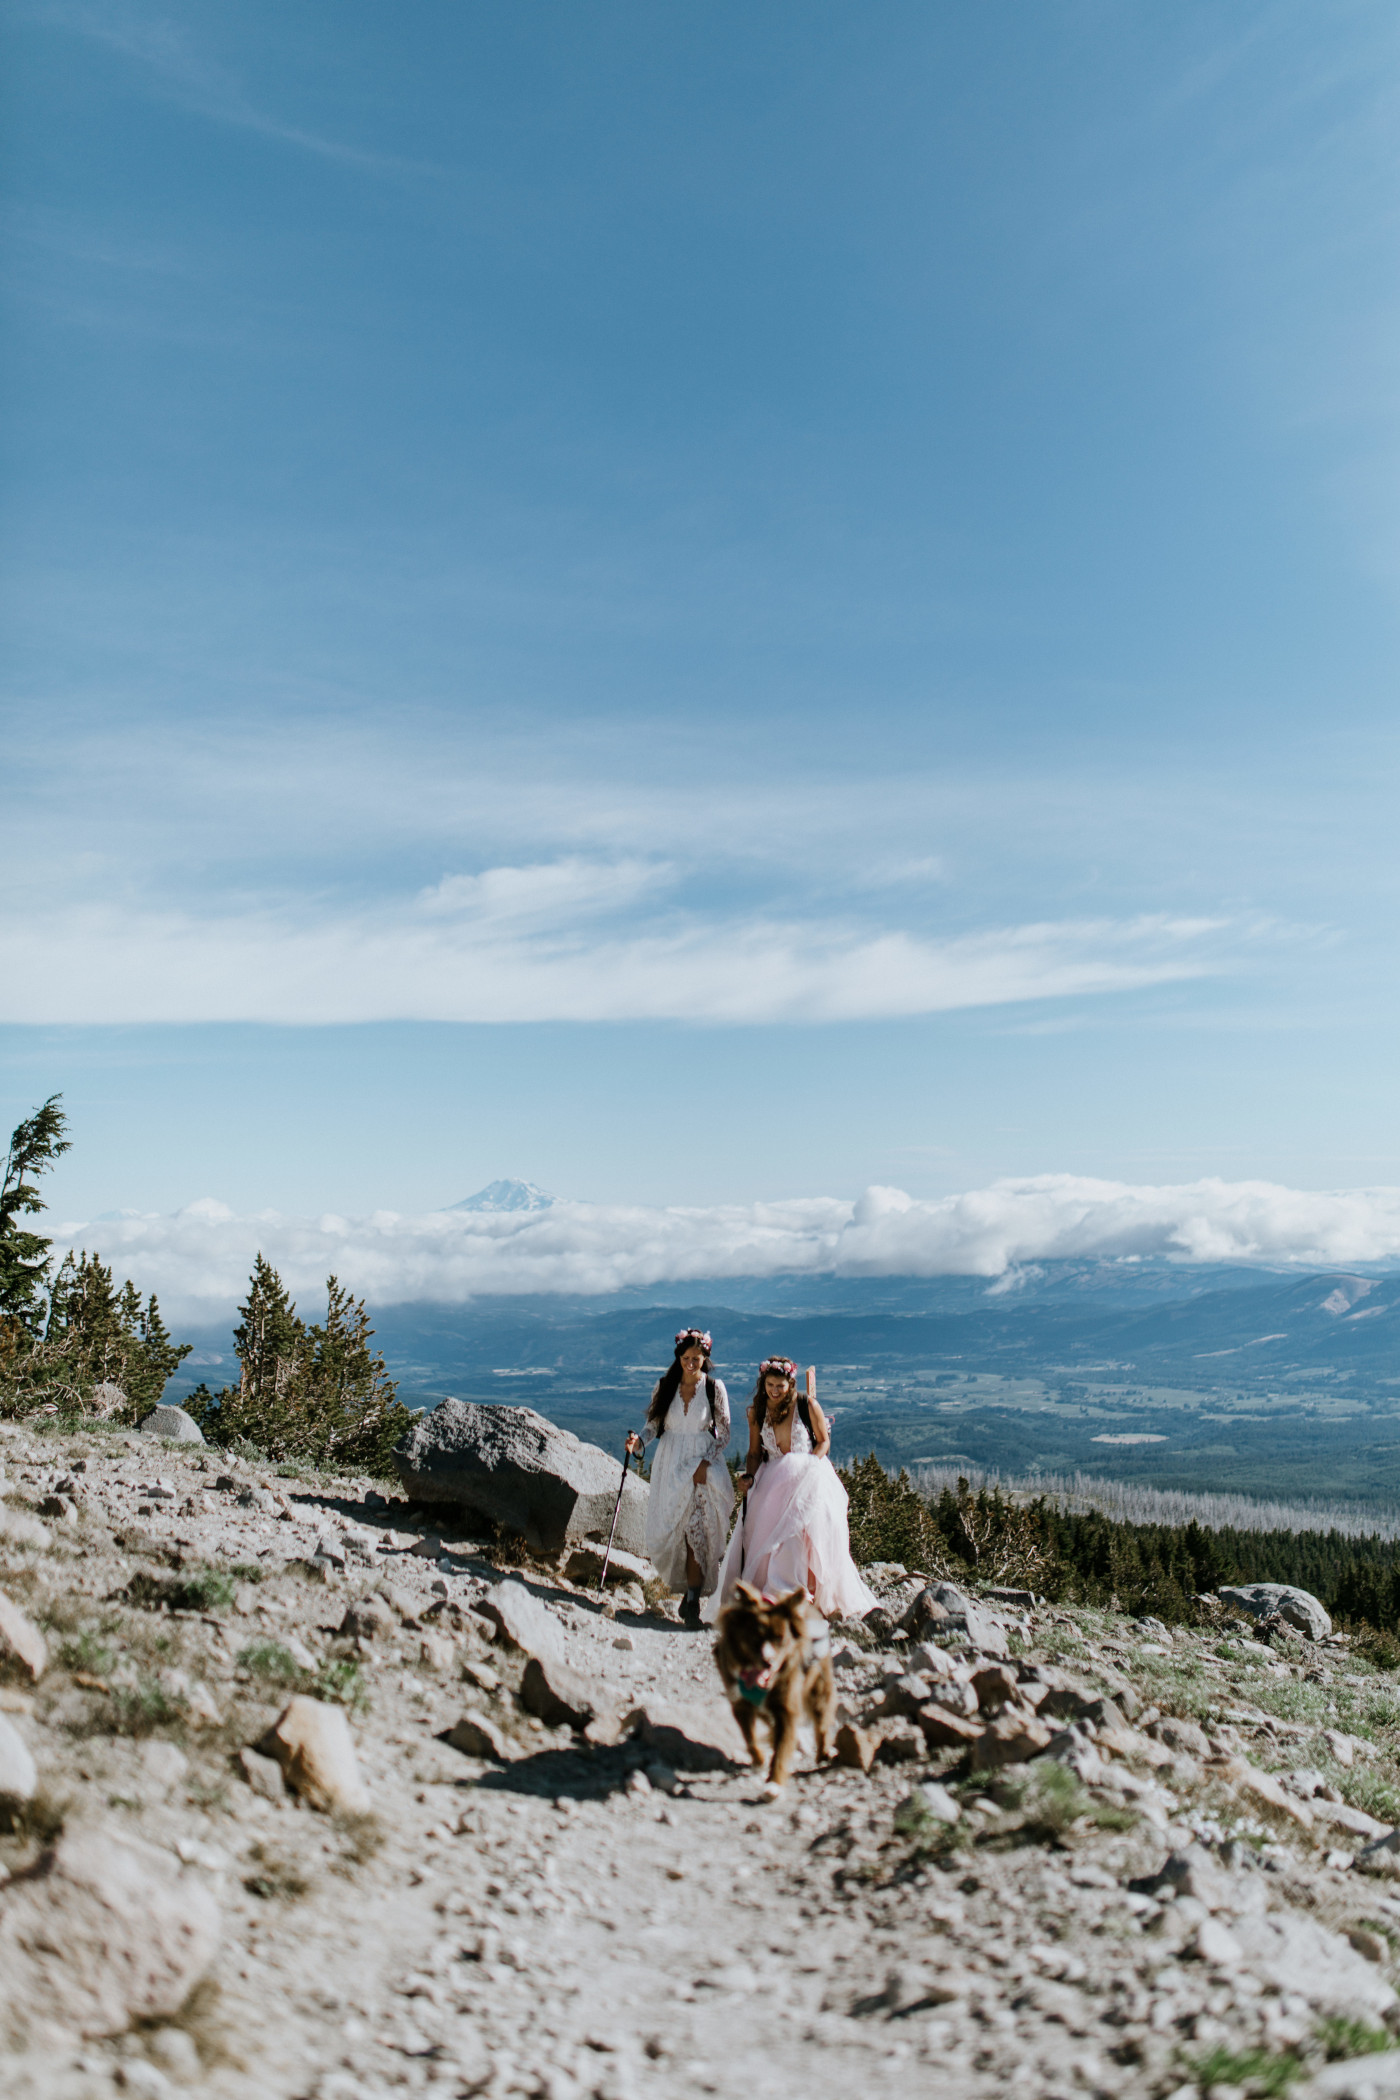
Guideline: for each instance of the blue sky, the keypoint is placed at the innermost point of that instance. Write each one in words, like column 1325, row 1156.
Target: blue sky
column 699, row 604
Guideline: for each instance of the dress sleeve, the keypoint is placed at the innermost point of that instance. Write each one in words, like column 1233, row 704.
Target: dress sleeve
column 722, row 1427
column 649, row 1431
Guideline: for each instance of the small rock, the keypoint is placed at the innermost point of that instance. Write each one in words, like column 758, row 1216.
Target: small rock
column 901, row 1742
column 1368, row 1943
column 145, row 2080
column 23, row 1648
column 18, row 1778
column 584, row 1566
column 1382, row 1855
column 311, row 1741
column 626, row 1643
column 856, row 1746
column 366, row 1619
column 929, row 1800
column 1215, row 1943
column 1248, row 1779
column 18, row 1528
column 1177, row 1734
column 994, row 1685
column 523, row 1621
column 263, row 1774
column 1010, row 1739
column 100, row 1933
column 559, row 1696
column 436, row 1652
column 165, row 1764
column 638, row 1783
column 429, row 1547
column 475, row 1735
column 172, row 2051
column 943, row 1730
column 172, row 1423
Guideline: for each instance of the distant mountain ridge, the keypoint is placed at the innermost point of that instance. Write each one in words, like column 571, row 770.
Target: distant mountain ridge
column 506, row 1196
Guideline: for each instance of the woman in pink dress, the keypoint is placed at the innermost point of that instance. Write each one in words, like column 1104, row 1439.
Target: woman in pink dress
column 792, row 1531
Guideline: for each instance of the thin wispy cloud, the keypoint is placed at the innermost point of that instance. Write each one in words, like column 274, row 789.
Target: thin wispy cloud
column 198, row 1260
column 525, row 944
column 178, row 68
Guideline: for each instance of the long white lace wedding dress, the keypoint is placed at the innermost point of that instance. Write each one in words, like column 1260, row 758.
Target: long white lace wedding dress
column 680, row 1514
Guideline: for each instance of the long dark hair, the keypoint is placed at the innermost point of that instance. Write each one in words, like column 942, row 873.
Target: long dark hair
column 760, row 1397
column 669, row 1382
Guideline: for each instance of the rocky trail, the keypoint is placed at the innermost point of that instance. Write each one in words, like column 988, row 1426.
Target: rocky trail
column 301, row 1801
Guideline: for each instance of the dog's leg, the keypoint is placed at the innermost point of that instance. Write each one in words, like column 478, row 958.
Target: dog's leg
column 784, row 1744
column 747, row 1717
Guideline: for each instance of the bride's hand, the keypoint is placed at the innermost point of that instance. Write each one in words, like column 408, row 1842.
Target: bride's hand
column 701, row 1473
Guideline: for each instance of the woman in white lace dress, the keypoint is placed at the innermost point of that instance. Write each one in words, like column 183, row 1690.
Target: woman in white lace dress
column 692, row 1495
column 793, row 1532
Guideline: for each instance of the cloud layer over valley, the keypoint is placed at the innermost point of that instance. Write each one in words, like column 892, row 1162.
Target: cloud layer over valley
column 198, row 1258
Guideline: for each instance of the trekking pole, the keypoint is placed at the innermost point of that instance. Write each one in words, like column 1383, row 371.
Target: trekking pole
column 626, row 1462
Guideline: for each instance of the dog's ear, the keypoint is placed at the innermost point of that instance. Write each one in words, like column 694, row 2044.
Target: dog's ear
column 747, row 1591
column 792, row 1603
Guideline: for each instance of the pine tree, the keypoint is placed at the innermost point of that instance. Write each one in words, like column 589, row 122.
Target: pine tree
column 95, row 1335
column 317, row 1394
column 24, row 1256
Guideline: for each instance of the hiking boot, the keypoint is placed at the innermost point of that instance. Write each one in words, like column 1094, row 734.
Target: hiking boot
column 690, row 1610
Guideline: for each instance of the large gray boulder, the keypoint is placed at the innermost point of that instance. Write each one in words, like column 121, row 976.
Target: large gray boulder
column 172, row 1423
column 522, row 1471
column 1297, row 1608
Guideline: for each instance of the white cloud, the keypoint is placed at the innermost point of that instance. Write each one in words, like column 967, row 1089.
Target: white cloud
column 198, row 1259
column 524, row 944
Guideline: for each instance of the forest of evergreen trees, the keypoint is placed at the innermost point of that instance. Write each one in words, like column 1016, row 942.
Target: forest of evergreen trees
column 1089, row 1558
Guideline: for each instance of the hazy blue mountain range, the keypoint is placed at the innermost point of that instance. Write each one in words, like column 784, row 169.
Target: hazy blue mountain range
column 1233, row 1379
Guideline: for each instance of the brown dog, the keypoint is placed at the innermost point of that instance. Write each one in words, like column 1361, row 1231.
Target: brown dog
column 774, row 1656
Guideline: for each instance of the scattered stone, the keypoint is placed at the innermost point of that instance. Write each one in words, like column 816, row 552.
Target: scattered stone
column 1215, row 1943
column 945, row 1609
column 1297, row 1608
column 1382, row 1855
column 943, row 1730
column 18, row 1778
column 263, row 1774
column 929, row 1800
column 367, row 1619
column 172, row 1423
column 476, row 1735
column 23, row 1649
column 513, row 1466
column 1368, row 1943
column 1246, row 1778
column 995, row 1684
column 523, row 1621
column 165, row 1764
column 584, row 1566
column 559, row 1696
column 100, row 1933
column 856, row 1746
column 1186, row 1736
column 1010, row 1739
column 900, row 1743
column 18, row 1528
column 311, row 1742
column 1364, row 2078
